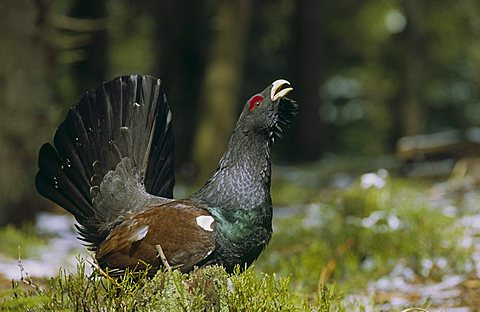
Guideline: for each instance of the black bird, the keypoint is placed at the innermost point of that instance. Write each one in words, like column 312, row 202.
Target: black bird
column 112, row 167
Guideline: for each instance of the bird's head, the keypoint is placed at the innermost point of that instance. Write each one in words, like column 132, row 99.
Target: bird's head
column 266, row 112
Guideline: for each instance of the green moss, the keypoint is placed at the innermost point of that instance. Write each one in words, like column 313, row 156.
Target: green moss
column 359, row 235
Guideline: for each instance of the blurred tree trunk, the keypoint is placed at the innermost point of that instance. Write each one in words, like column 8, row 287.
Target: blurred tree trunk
column 182, row 37
column 88, row 26
column 26, row 96
column 309, row 64
column 415, row 70
column 222, row 84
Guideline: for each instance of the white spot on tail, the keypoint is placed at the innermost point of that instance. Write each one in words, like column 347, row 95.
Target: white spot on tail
column 139, row 233
column 169, row 119
column 136, row 104
column 205, row 222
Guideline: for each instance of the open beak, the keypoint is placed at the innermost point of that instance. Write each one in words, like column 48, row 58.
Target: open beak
column 278, row 91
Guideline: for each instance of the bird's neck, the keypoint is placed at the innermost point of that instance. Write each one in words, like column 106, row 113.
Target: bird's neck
column 242, row 180
column 238, row 198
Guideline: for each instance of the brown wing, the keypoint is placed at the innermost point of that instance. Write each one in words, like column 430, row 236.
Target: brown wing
column 184, row 232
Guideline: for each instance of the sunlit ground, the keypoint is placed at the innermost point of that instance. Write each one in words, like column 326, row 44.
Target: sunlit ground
column 375, row 239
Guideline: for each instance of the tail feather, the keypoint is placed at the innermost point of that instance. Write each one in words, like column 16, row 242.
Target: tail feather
column 53, row 183
column 115, row 145
column 71, row 161
column 155, row 182
column 157, row 170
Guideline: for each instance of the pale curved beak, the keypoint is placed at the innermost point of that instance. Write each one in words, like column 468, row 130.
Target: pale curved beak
column 277, row 92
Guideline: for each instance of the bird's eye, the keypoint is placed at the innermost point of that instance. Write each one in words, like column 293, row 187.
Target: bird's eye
column 256, row 102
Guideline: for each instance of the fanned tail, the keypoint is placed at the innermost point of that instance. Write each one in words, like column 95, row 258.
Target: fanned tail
column 113, row 150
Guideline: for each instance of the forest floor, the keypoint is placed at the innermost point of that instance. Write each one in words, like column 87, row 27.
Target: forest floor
column 345, row 239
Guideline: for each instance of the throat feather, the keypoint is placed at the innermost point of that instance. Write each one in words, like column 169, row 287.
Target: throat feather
column 242, row 180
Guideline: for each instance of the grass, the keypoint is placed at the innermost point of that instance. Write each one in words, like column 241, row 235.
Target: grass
column 210, row 289
column 351, row 237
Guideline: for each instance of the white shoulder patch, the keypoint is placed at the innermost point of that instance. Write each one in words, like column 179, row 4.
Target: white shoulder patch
column 205, row 222
column 139, row 233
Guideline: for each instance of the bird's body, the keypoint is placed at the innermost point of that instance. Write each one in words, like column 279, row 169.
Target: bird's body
column 112, row 168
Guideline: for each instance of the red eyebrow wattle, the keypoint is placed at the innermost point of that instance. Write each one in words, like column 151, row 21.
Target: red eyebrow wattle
column 255, row 99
